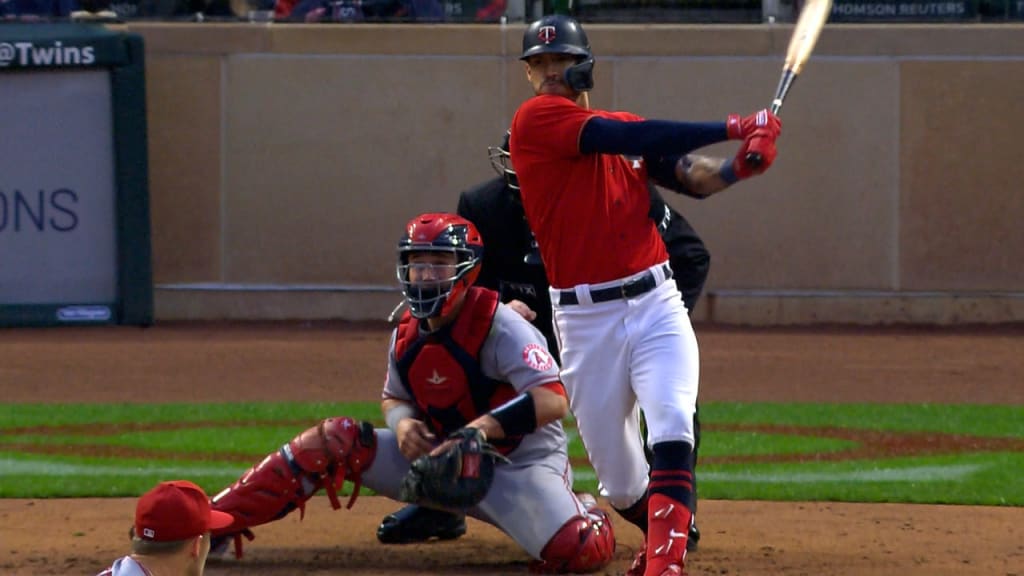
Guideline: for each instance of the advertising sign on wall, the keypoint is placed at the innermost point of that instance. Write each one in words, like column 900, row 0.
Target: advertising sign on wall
column 74, row 204
column 57, row 226
column 902, row 10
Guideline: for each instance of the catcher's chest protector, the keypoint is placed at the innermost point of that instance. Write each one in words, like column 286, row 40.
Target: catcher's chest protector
column 442, row 370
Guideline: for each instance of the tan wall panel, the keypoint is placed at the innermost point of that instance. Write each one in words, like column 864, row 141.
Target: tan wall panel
column 446, row 39
column 518, row 87
column 819, row 218
column 207, row 38
column 513, row 71
column 329, row 159
column 685, row 40
column 889, row 40
column 334, row 135
column 183, row 110
column 962, row 202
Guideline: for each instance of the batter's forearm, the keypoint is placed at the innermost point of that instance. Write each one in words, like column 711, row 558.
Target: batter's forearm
column 701, row 176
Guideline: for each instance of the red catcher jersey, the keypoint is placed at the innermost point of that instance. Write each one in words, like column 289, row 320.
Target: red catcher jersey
column 589, row 213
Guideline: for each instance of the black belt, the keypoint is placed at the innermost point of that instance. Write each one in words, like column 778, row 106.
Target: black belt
column 628, row 289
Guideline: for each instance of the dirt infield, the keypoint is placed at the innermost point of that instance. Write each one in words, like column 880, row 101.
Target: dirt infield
column 333, row 362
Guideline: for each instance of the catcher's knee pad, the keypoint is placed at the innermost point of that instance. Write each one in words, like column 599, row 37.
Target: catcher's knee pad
column 583, row 544
column 336, row 450
column 323, row 456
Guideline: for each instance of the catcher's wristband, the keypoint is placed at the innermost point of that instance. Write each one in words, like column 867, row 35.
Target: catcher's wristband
column 398, row 413
column 518, row 416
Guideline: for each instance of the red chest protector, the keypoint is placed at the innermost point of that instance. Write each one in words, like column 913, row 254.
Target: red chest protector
column 441, row 370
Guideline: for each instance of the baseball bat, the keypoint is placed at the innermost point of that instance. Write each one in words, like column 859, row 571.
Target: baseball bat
column 801, row 44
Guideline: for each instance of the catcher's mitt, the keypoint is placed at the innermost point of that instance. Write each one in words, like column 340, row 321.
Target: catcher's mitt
column 458, row 475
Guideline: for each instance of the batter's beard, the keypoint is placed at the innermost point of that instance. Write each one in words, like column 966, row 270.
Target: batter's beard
column 555, row 88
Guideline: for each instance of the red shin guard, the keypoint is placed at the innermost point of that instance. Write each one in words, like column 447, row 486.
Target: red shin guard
column 668, row 524
column 335, row 450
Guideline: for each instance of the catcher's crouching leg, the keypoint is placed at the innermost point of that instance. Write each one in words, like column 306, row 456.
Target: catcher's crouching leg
column 324, row 456
column 583, row 544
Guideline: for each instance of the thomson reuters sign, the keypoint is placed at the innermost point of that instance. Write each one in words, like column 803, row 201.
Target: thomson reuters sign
column 44, row 55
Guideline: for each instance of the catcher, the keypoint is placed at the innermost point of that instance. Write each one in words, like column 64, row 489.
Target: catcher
column 473, row 405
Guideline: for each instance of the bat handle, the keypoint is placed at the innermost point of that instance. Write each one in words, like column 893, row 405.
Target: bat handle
column 753, row 158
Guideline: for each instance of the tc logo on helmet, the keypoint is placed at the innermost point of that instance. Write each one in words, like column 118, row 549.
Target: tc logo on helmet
column 546, row 34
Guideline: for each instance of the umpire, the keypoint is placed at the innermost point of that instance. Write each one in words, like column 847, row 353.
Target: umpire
column 512, row 266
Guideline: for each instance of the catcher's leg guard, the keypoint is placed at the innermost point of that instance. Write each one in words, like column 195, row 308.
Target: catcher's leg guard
column 323, row 456
column 583, row 544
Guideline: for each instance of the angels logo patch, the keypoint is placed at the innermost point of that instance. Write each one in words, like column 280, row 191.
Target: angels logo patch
column 537, row 357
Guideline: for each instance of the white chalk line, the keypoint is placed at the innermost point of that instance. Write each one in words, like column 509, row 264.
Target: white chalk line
column 11, row 467
column 931, row 473
column 910, row 474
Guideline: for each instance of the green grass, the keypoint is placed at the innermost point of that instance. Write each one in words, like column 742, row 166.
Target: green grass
column 737, row 461
column 18, row 415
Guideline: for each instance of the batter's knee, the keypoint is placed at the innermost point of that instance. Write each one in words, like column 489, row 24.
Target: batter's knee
column 624, row 499
column 670, row 425
column 583, row 544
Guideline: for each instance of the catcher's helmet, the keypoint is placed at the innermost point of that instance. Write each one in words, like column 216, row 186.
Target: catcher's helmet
column 560, row 34
column 501, row 161
column 438, row 232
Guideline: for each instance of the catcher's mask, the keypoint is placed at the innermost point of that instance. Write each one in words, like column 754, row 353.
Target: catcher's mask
column 560, row 34
column 501, row 161
column 433, row 288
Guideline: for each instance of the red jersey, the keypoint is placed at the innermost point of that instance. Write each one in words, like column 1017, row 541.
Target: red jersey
column 589, row 212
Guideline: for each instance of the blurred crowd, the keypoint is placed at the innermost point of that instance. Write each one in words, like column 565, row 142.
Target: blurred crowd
column 284, row 10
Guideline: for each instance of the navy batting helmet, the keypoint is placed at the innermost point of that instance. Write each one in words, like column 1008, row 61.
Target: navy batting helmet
column 560, row 34
column 447, row 233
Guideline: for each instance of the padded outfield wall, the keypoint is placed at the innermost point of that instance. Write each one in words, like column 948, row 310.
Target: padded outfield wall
column 285, row 159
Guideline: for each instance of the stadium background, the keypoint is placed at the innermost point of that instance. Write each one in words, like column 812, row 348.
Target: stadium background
column 284, row 158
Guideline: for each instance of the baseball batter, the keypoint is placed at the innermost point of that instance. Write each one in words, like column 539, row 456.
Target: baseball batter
column 512, row 267
column 458, row 358
column 624, row 332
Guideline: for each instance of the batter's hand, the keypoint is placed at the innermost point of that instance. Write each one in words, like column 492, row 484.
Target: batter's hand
column 414, row 438
column 742, row 128
column 523, row 310
column 761, row 142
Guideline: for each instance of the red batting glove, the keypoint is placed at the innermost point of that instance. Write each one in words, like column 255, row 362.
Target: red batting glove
column 760, row 142
column 741, row 128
